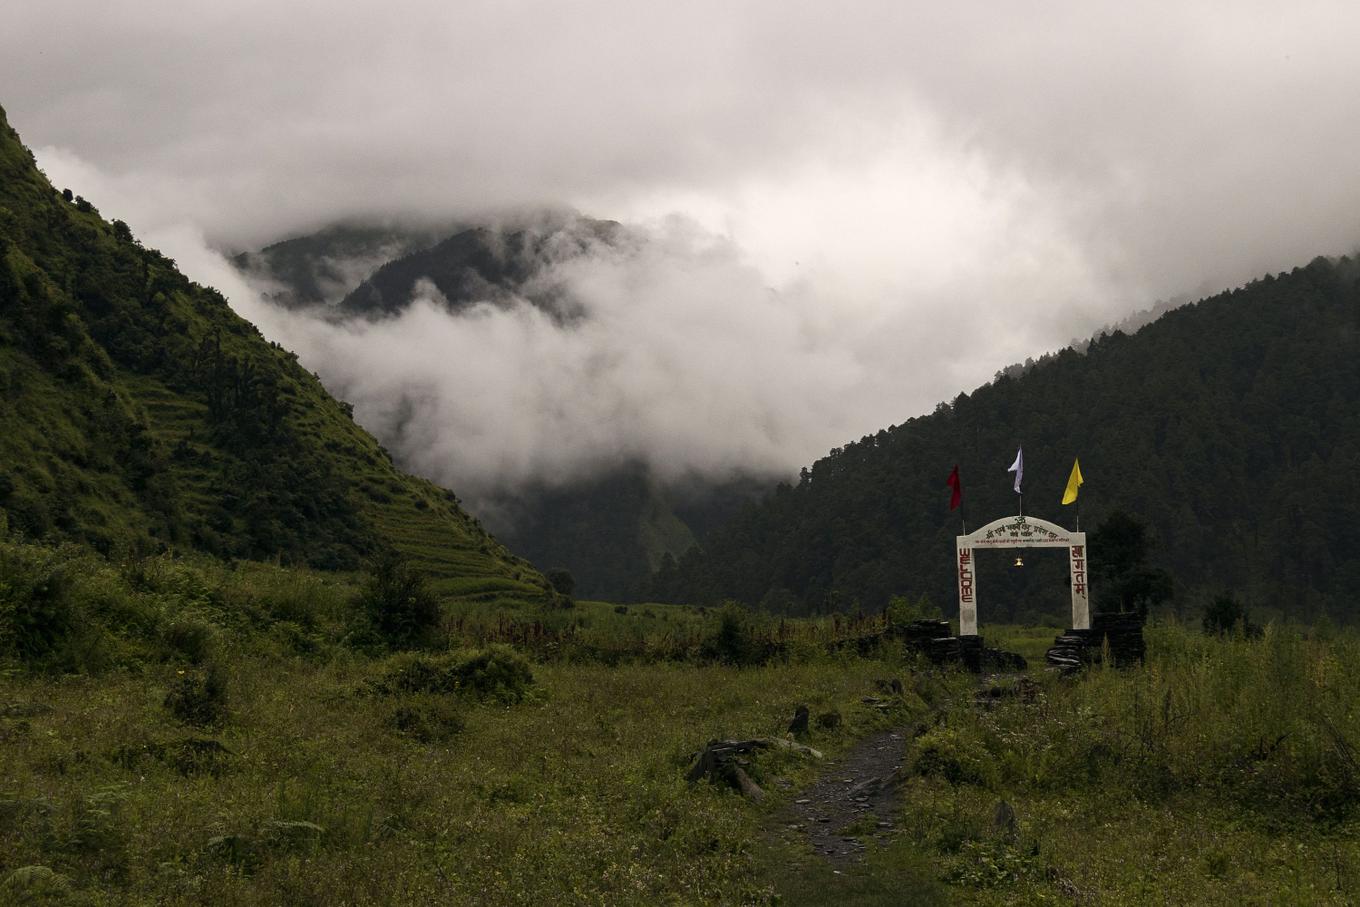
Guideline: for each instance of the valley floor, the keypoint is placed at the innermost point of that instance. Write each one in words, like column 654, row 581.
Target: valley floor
column 1223, row 771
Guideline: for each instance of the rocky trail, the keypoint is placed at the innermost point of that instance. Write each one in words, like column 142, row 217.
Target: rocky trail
column 854, row 799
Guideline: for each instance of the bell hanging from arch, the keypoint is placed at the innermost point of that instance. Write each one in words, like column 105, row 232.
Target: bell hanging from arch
column 1019, row 561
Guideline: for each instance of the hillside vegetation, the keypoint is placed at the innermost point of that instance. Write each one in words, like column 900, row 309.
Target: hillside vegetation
column 1229, row 427
column 138, row 411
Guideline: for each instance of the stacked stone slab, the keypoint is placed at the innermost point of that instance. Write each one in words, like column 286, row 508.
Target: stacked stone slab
column 1121, row 631
column 1124, row 630
column 933, row 639
column 1071, row 650
column 943, row 650
column 919, row 633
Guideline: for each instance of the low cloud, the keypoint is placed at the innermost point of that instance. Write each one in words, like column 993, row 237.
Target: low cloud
column 683, row 357
column 877, row 206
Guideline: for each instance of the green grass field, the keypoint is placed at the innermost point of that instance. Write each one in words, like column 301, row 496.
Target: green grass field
column 1223, row 771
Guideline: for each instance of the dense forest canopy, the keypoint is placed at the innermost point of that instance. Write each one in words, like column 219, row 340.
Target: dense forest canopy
column 1229, row 428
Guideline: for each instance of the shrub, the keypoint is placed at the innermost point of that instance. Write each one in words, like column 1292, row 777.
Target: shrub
column 1224, row 615
column 497, row 672
column 738, row 638
column 42, row 623
column 945, row 753
column 398, row 605
column 190, row 638
column 37, row 613
column 98, row 836
column 902, row 610
column 199, row 696
column 562, row 582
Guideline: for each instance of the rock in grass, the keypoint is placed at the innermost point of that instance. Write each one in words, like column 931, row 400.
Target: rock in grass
column 32, row 884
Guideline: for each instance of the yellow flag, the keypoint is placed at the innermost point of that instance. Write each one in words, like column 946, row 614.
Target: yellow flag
column 1073, row 483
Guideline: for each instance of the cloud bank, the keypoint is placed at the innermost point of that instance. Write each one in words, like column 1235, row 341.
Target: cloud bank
column 852, row 212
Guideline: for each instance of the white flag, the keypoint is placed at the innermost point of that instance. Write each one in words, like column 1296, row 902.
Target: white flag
column 1018, row 467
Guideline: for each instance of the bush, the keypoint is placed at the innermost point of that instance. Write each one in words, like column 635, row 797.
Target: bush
column 497, row 672
column 1224, row 615
column 562, row 582
column 945, row 753
column 738, row 639
column 398, row 605
column 902, row 610
column 189, row 638
column 37, row 613
column 199, row 696
column 42, row 623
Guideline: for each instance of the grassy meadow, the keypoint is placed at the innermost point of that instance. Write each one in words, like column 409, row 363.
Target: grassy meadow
column 187, row 732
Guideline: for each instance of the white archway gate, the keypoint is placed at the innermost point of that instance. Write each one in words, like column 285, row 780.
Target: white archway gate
column 1021, row 532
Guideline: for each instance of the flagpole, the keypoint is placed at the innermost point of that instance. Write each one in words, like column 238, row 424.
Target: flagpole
column 1018, row 467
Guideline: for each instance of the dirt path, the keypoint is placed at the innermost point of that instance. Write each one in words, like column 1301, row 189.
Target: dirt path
column 854, row 799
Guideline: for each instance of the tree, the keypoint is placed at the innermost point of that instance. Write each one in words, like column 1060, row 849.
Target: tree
column 1224, row 615
column 562, row 582
column 1123, row 580
column 397, row 603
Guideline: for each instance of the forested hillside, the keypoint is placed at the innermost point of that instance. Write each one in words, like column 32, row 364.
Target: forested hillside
column 137, row 410
column 1230, row 428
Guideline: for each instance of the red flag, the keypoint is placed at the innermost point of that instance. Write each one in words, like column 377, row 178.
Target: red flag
column 957, row 497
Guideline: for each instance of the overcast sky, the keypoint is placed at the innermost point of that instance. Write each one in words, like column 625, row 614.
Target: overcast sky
column 929, row 190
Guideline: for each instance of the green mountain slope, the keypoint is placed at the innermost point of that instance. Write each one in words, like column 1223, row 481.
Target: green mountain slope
column 137, row 409
column 1230, row 427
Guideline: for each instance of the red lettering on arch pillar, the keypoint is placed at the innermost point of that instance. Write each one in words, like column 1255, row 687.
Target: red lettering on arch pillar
column 965, row 576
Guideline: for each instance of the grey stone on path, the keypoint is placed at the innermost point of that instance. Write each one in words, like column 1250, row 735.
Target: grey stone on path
column 862, row 783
